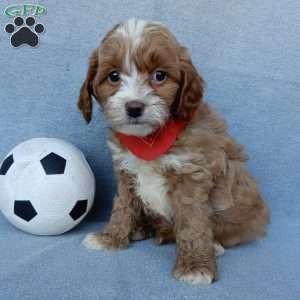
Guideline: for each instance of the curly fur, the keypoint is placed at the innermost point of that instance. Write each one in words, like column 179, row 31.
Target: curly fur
column 199, row 194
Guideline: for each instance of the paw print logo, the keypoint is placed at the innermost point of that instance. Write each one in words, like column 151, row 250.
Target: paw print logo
column 27, row 33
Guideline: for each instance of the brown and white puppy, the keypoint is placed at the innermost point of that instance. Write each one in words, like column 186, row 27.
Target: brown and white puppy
column 199, row 192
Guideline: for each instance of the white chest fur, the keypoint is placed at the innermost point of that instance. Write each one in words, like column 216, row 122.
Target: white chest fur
column 151, row 186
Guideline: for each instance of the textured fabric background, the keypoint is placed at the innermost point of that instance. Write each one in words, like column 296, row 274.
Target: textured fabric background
column 249, row 54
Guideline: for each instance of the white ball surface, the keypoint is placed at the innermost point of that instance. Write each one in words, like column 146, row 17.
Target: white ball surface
column 46, row 186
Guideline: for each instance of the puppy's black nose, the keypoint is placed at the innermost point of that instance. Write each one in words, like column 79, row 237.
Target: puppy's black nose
column 134, row 108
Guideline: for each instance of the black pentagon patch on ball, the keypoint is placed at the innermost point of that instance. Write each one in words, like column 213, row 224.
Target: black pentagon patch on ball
column 6, row 164
column 79, row 209
column 24, row 210
column 53, row 164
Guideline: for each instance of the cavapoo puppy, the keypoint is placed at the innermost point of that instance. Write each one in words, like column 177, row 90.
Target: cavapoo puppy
column 181, row 176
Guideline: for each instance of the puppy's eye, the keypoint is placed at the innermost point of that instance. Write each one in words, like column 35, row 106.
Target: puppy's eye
column 114, row 77
column 159, row 76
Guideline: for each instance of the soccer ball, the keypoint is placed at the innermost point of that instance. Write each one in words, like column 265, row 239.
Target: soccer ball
column 46, row 186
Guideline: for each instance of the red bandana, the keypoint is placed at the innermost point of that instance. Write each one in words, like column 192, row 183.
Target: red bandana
column 154, row 145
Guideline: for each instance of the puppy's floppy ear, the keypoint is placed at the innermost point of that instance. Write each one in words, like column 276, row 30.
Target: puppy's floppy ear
column 191, row 89
column 85, row 103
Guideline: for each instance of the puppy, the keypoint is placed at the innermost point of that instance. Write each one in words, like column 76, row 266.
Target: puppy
column 181, row 176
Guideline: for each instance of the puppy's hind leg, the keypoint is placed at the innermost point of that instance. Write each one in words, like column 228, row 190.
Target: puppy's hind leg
column 239, row 225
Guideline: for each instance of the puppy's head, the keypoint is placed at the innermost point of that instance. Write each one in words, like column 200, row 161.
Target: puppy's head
column 141, row 76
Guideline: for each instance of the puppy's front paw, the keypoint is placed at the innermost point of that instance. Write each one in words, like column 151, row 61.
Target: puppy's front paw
column 196, row 272
column 197, row 277
column 103, row 241
column 93, row 241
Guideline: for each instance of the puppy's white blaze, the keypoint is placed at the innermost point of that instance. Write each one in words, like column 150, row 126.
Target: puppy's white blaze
column 132, row 30
column 132, row 85
column 91, row 242
column 150, row 186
